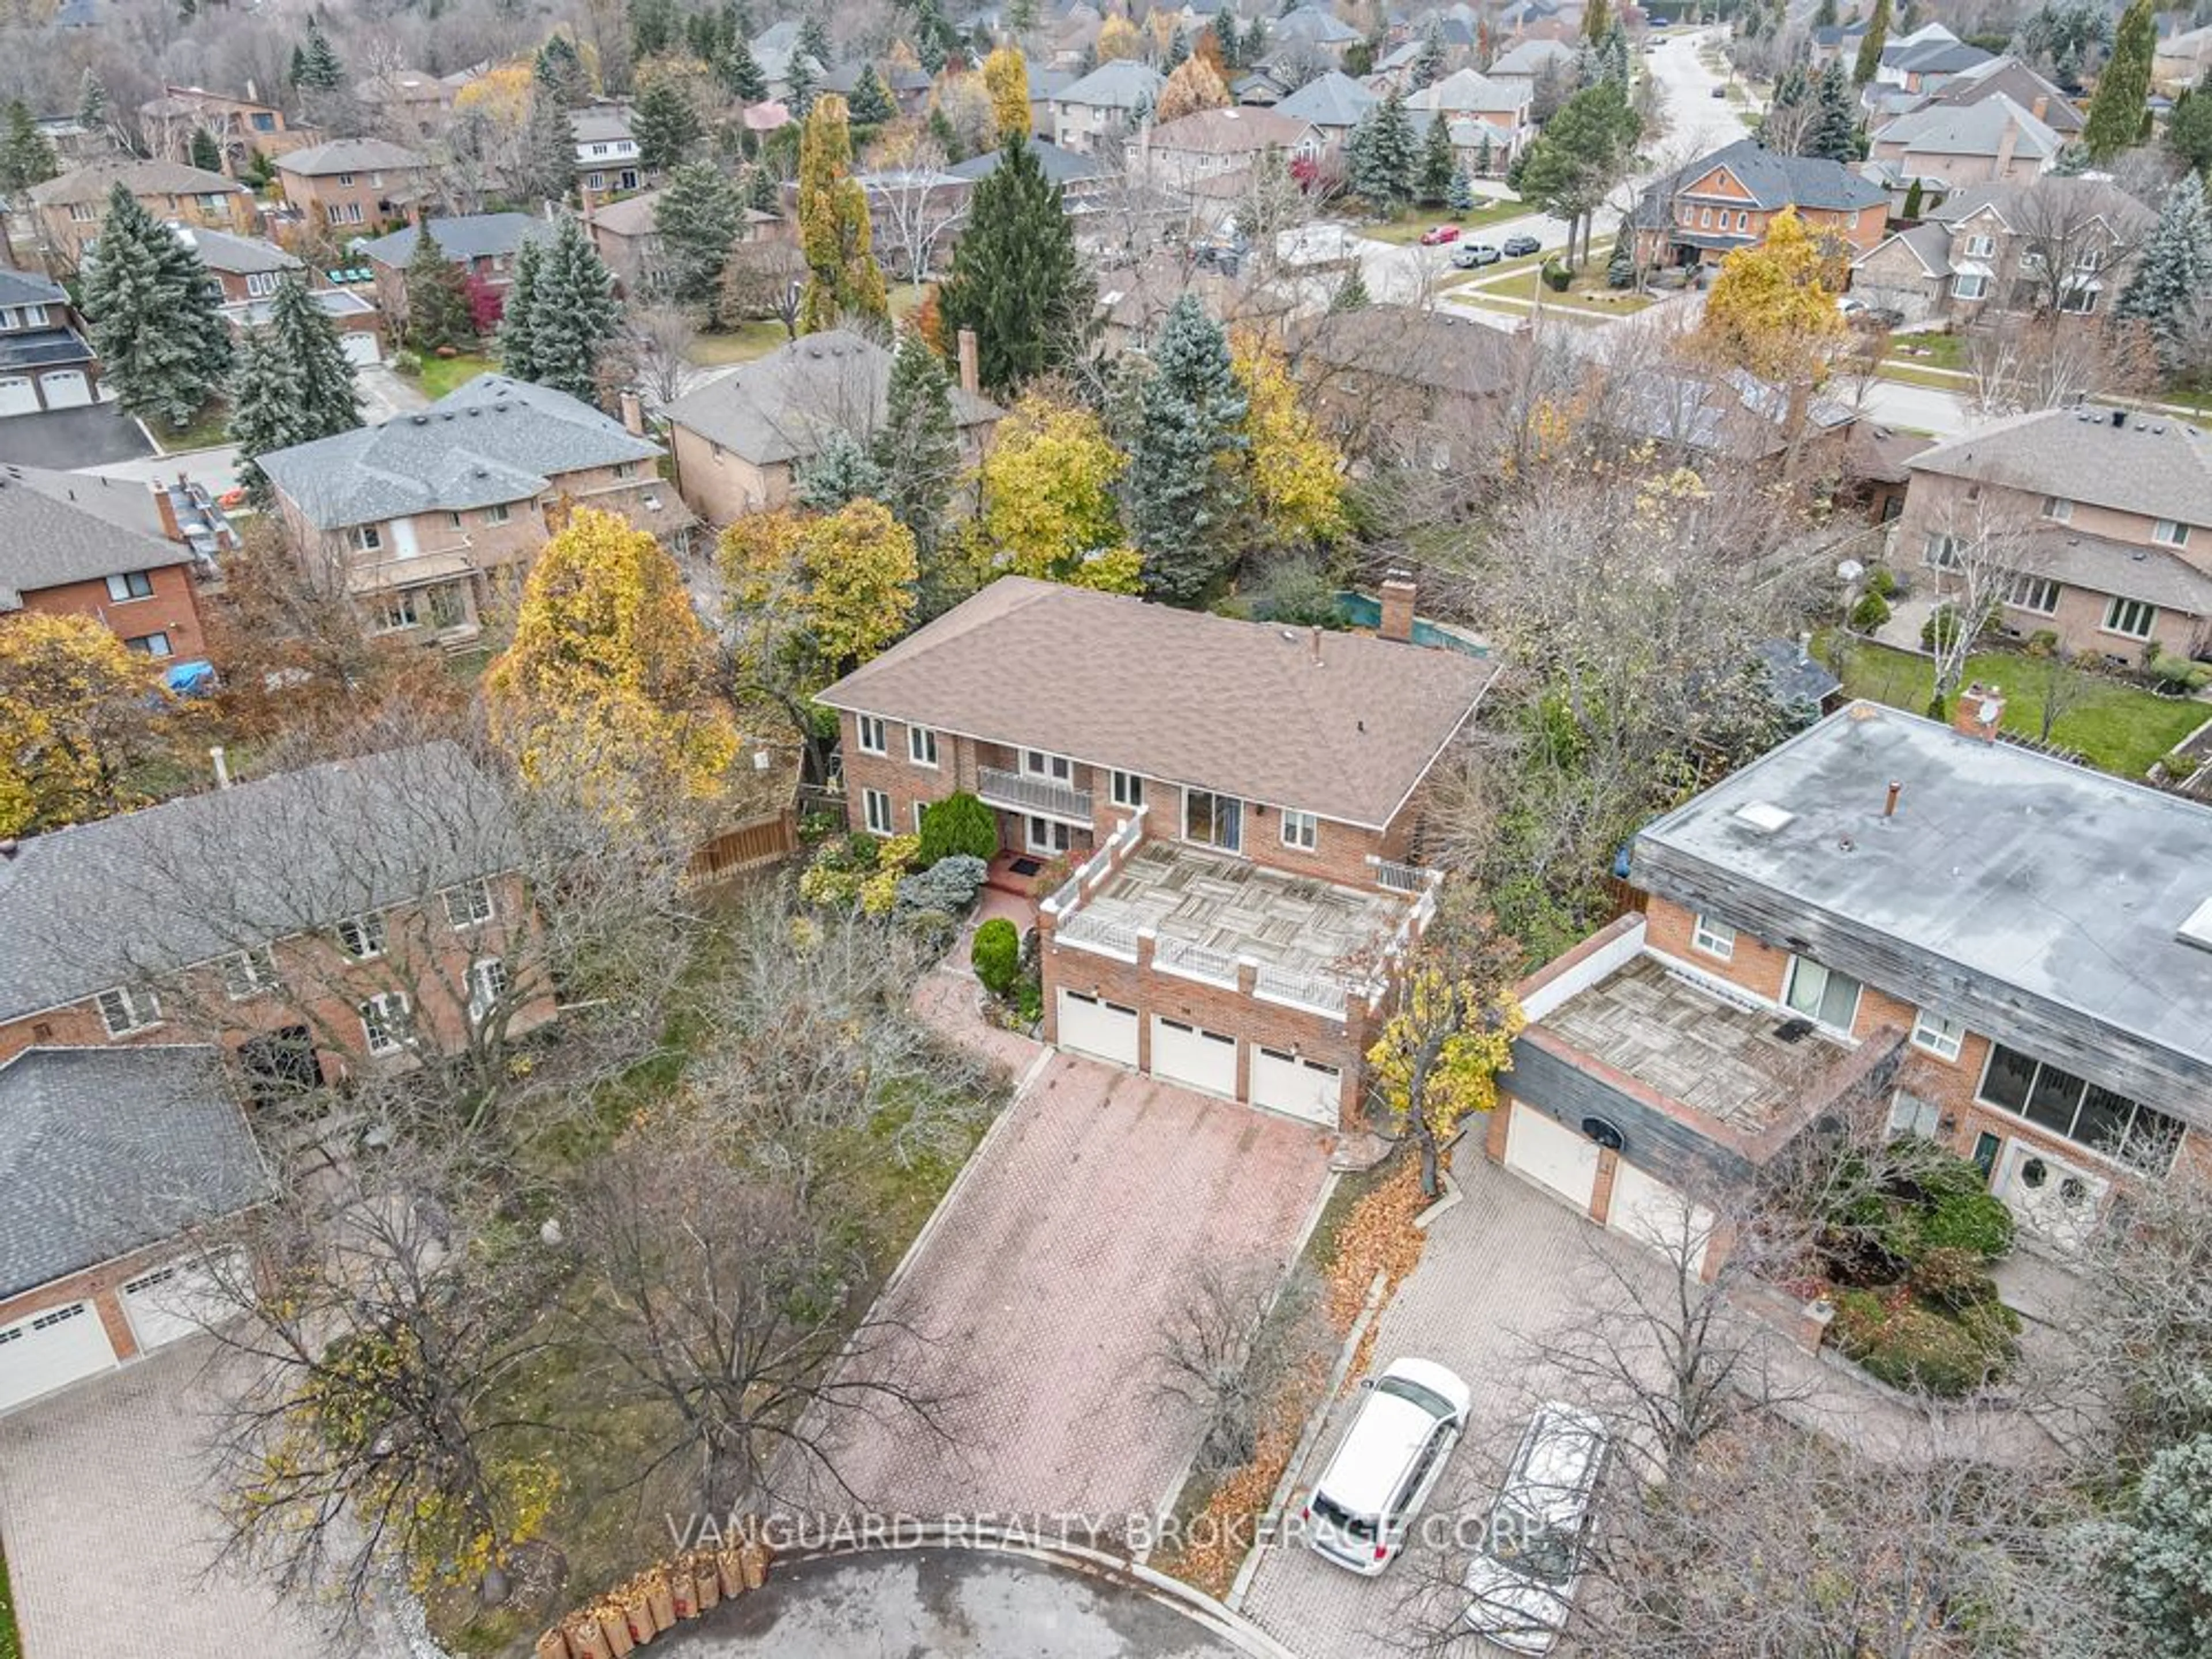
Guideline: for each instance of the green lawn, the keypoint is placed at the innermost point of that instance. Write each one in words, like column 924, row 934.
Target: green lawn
column 1908, row 374
column 1587, row 292
column 209, row 427
column 1409, row 227
column 11, row 1642
column 439, row 375
column 1929, row 350
column 740, row 344
column 2115, row 725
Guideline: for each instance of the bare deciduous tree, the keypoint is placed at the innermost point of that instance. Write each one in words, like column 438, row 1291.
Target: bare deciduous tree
column 1228, row 1349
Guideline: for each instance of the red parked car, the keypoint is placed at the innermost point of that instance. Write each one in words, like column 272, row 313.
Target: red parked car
column 1440, row 235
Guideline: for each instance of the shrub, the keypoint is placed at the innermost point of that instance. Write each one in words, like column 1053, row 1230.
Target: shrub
column 1952, row 1278
column 1029, row 998
column 815, row 828
column 1869, row 613
column 935, row 928
column 879, row 891
column 1909, row 1346
column 2180, row 766
column 1557, row 277
column 958, row 823
column 898, row 854
column 1941, row 631
column 950, row 885
column 996, row 956
column 1882, row 580
column 1967, row 1221
column 2176, row 674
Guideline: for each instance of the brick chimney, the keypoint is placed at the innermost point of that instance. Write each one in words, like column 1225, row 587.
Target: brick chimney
column 2041, row 107
column 166, row 509
column 971, row 364
column 1979, row 711
column 632, row 415
column 2007, row 142
column 1398, row 594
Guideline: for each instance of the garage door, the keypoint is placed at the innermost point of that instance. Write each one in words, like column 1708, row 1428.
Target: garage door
column 17, row 395
column 1196, row 1059
column 1551, row 1155
column 1643, row 1206
column 65, row 388
column 1284, row 1083
column 176, row 1301
column 50, row 1350
column 360, row 348
column 1093, row 1026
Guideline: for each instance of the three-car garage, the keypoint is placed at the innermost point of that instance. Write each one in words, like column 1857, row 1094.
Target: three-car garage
column 1190, row 1055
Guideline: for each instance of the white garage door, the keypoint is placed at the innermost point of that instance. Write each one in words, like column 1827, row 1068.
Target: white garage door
column 360, row 348
column 65, row 388
column 1304, row 1088
column 1103, row 1029
column 1551, row 1155
column 50, row 1350
column 1196, row 1059
column 17, row 395
column 1646, row 1208
column 174, row 1302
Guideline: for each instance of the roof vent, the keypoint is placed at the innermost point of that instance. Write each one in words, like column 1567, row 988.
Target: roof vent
column 1764, row 817
column 418, row 420
column 2198, row 929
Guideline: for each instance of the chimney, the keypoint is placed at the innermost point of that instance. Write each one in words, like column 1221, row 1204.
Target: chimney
column 632, row 415
column 1889, row 806
column 971, row 364
column 165, row 505
column 2041, row 107
column 1398, row 593
column 1979, row 711
column 221, row 766
column 2007, row 141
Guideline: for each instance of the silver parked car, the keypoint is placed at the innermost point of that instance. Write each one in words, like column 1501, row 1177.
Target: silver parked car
column 1521, row 1582
column 1362, row 1507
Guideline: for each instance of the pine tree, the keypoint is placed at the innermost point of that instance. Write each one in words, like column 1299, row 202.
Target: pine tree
column 1460, row 197
column 518, row 331
column 654, row 30
column 871, row 103
column 1613, row 59
column 664, row 125
column 1833, row 132
column 1180, row 498
column 27, row 157
column 799, row 77
column 206, row 155
column 697, row 218
column 1913, row 196
column 1871, row 43
column 292, row 384
column 92, row 103
column 1437, row 164
column 1824, row 16
column 315, row 66
column 330, row 397
column 549, row 148
column 833, row 225
column 266, row 400
column 573, row 315
column 1380, row 155
column 761, row 193
column 814, row 40
column 841, row 470
column 1021, row 17
column 1429, row 67
column 1620, row 269
column 2175, row 270
column 1485, row 154
column 917, row 448
column 1015, row 278
column 437, row 296
column 149, row 307
column 740, row 73
column 2114, row 121
column 559, row 70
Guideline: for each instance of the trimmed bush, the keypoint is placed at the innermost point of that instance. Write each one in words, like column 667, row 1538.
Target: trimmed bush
column 1883, row 581
column 1028, row 1000
column 1557, row 277
column 996, row 956
column 1869, row 613
column 1916, row 1347
column 1954, row 1278
column 950, row 885
column 1967, row 1221
column 958, row 823
column 2180, row 766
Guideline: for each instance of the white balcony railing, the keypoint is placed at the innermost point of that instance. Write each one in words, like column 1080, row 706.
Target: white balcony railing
column 1088, row 933
column 1026, row 793
column 1322, row 993
column 1396, row 878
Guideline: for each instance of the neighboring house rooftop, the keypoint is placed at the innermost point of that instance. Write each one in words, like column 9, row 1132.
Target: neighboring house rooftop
column 1929, row 245
column 633, row 216
column 1942, row 57
column 27, row 287
column 1343, row 724
column 1231, row 131
column 2049, row 202
column 1450, row 354
column 2016, row 81
column 782, row 406
column 2153, row 465
column 463, row 237
column 350, row 155
column 238, row 256
column 1775, row 181
column 1796, row 679
column 1334, row 101
column 104, row 1151
column 1123, row 84
column 601, row 123
column 47, row 539
column 1977, row 130
column 489, row 441
column 1312, row 25
column 95, row 180
column 123, row 503
column 1531, row 58
column 1060, row 167
column 1463, row 92
column 2152, row 574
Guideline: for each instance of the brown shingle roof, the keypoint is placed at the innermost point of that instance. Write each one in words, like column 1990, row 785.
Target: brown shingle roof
column 1239, row 706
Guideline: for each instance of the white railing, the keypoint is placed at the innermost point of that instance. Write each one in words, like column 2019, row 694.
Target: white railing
column 1100, row 864
column 1088, row 933
column 1025, row 792
column 1194, row 961
column 1397, row 877
column 1315, row 991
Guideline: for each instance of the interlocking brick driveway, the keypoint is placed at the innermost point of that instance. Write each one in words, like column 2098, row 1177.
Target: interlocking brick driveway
column 1039, row 1292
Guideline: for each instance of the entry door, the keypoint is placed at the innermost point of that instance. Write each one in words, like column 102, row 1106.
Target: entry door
column 282, row 1067
column 2058, row 1202
column 1194, row 1057
column 50, row 1350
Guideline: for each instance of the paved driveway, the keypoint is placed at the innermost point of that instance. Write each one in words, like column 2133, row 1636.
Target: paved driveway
column 1039, row 1291
column 67, row 440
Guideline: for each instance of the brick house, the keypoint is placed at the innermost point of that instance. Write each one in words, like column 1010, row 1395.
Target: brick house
column 2105, row 515
column 113, row 1153
column 248, row 270
column 240, row 126
column 1949, row 146
column 69, row 208
column 607, row 157
column 61, row 557
column 1238, row 803
column 1483, row 116
column 1408, row 385
column 46, row 361
column 1093, row 115
column 1724, row 201
column 1212, row 143
column 352, row 184
column 483, row 244
column 420, row 514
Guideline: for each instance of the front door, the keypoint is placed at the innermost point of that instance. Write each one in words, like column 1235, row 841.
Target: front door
column 2056, row 1202
column 1048, row 837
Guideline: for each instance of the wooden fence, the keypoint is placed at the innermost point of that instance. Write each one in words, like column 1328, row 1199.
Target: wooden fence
column 747, row 847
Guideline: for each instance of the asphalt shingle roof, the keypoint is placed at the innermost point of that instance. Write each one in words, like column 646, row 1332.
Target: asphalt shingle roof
column 1182, row 696
column 93, row 182
column 491, row 440
column 2153, row 465
column 1776, row 180
column 1975, row 129
column 106, row 1150
column 466, row 236
column 1123, row 83
column 1060, row 167
column 47, row 540
column 26, row 288
column 1334, row 99
column 349, row 155
column 239, row 256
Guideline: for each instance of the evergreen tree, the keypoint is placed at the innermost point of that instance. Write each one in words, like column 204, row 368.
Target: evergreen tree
column 739, row 72
column 1021, row 17
column 1255, row 42
column 1352, row 293
column 559, row 71
column 655, row 28
column 292, row 384
column 1437, row 164
column 1178, row 48
column 2114, row 121
column 834, row 230
column 437, row 296
column 315, row 66
column 2175, row 270
column 2188, row 129
column 1460, row 196
column 205, row 152
column 761, row 193
column 330, row 397
column 266, row 398
column 698, row 217
column 1614, row 60
column 27, row 157
column 1824, row 16
column 1015, row 278
column 1180, row 498
column 1871, row 43
column 1380, row 155
column 92, row 103
column 666, row 127
column 149, row 307
column 549, row 148
column 1228, row 39
column 1485, row 154
column 814, row 40
column 1620, row 269
column 1429, row 67
column 917, row 448
column 1913, row 195
column 800, row 76
column 573, row 315
column 1833, row 131
column 518, row 331
column 871, row 103
column 841, row 471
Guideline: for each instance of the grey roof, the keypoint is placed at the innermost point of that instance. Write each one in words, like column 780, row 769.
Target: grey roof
column 137, row 897
column 126, row 503
column 1733, row 412
column 1060, row 167
column 2017, row 81
column 601, row 123
column 1334, row 99
column 777, row 37
column 43, row 348
column 48, row 540
column 465, row 236
column 2153, row 466
column 1464, row 90
column 1942, row 57
column 93, row 182
column 239, row 256
column 1797, row 680
column 634, row 216
column 1776, row 180
column 106, row 1150
column 26, row 288
column 782, row 407
column 490, row 441
column 349, row 155
column 1975, row 129
column 2048, row 880
column 1124, row 83
column 2150, row 574
column 1928, row 244
column 1314, row 25
column 1532, row 57
column 2073, row 201
column 1045, row 82
column 1424, row 348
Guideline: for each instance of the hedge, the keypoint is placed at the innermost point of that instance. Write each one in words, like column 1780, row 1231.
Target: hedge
column 958, row 823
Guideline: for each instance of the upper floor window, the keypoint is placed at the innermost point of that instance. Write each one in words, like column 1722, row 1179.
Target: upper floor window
column 361, row 936
column 1214, row 820
column 495, row 513
column 2059, row 508
column 262, row 121
column 388, row 1021
column 1127, row 789
column 869, row 730
column 248, row 973
column 1822, row 994
column 83, row 213
column 2167, row 532
column 1039, row 764
column 127, row 1008
column 468, row 904
column 1301, row 830
column 1715, row 939
column 214, row 202
column 1938, row 1036
column 1979, row 246
column 260, row 284
column 131, row 584
column 625, row 469
column 345, row 178
column 23, row 317
column 368, row 538
column 2081, row 1111
column 922, row 745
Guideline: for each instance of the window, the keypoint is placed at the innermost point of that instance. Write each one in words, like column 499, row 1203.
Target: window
column 1038, row 764
column 453, row 521
column 2059, row 508
column 128, row 1008
column 248, row 973
column 595, row 181
column 468, row 904
column 625, row 470
column 1126, row 789
column 1048, row 836
column 345, row 178
column 155, row 644
column 396, row 611
column 346, row 213
column 262, row 121
column 2036, row 593
column 376, row 181
column 1214, row 820
column 922, row 745
column 2167, row 533
column 1301, row 829
column 1980, row 247
column 1715, row 939
column 83, row 213
column 1742, row 220
column 878, row 807
column 488, row 983
column 1909, row 1114
column 131, row 584
column 2077, row 299
column 362, row 936
column 1822, row 994
column 2082, row 1112
column 368, row 538
column 2131, row 617
column 1969, row 285
column 920, row 807
column 495, row 513
column 871, row 733
column 1940, row 551
column 1689, row 217
column 1938, row 1036
column 1705, row 218
column 388, row 1021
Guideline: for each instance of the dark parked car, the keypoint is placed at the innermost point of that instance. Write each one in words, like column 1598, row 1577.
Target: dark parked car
column 1518, row 246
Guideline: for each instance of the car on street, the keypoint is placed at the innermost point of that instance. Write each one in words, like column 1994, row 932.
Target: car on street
column 1361, row 1509
column 1521, row 1579
column 1438, row 235
column 1517, row 247
column 1720, row 91
column 1468, row 256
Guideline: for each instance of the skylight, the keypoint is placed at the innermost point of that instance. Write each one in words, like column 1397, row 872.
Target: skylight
column 1764, row 817
column 2198, row 929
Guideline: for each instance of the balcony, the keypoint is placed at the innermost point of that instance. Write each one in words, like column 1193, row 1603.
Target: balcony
column 1021, row 791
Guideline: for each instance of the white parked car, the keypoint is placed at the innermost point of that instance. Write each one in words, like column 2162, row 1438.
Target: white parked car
column 1361, row 1508
column 1521, row 1582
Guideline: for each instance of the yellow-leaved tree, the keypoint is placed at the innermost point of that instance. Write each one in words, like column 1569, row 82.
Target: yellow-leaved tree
column 608, row 691
column 843, row 278
column 1118, row 38
column 1048, row 498
column 1772, row 309
column 1453, row 1019
column 1196, row 85
column 1295, row 475
column 1007, row 77
column 74, row 708
column 501, row 94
